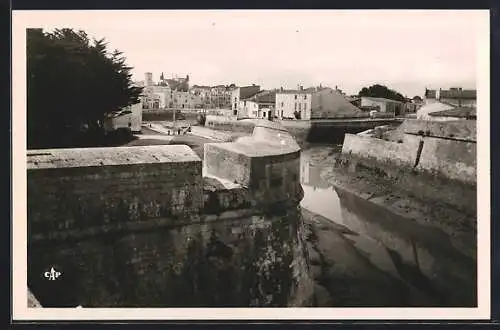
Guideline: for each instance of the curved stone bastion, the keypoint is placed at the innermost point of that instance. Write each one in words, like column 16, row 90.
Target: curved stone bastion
column 154, row 227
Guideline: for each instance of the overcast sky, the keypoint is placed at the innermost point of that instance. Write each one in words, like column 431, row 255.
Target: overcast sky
column 405, row 50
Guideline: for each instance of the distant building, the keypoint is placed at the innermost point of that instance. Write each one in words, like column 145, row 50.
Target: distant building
column 129, row 117
column 260, row 105
column 175, row 84
column 184, row 100
column 314, row 103
column 452, row 104
column 455, row 96
column 155, row 97
column 214, row 97
column 294, row 103
column 383, row 105
column 239, row 93
column 438, row 111
column 168, row 94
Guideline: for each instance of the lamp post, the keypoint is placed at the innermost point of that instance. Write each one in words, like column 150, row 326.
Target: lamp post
column 174, row 111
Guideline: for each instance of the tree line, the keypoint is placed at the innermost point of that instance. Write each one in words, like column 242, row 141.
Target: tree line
column 381, row 91
column 73, row 84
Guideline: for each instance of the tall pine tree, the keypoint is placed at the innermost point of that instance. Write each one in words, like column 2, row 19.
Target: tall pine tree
column 72, row 82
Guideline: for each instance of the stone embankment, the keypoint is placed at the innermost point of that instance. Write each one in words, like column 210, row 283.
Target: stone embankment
column 423, row 171
column 435, row 161
column 156, row 227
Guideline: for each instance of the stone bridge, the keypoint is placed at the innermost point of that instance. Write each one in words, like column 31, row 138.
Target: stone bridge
column 156, row 227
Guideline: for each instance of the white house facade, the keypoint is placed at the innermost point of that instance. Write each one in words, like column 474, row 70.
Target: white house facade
column 292, row 102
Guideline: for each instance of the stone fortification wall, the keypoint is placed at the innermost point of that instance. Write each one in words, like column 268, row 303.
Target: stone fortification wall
column 381, row 151
column 457, row 130
column 432, row 167
column 77, row 189
column 427, row 147
column 141, row 227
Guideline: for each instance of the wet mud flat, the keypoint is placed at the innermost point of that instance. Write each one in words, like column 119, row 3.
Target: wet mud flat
column 382, row 247
column 459, row 226
column 344, row 275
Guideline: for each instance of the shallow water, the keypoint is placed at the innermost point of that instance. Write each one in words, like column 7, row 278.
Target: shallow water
column 385, row 250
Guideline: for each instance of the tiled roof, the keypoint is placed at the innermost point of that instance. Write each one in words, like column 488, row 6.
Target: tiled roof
column 263, row 97
column 459, row 112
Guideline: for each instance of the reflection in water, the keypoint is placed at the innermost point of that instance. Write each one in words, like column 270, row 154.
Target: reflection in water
column 420, row 257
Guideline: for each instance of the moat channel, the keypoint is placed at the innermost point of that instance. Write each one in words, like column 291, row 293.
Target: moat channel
column 363, row 255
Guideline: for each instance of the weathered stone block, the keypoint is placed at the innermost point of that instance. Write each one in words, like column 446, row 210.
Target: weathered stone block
column 451, row 159
column 72, row 189
column 399, row 154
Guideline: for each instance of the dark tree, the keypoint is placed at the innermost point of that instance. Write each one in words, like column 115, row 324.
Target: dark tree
column 417, row 99
column 381, row 91
column 73, row 82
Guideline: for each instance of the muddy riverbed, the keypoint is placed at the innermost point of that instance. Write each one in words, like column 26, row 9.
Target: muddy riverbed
column 373, row 246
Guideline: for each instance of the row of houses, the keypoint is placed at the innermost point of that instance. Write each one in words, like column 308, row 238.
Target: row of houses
column 167, row 93
column 214, row 97
column 177, row 93
column 308, row 103
column 300, row 103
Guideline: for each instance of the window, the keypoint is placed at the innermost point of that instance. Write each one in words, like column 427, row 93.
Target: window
column 281, row 113
column 295, row 96
column 282, row 104
column 295, row 106
column 305, row 96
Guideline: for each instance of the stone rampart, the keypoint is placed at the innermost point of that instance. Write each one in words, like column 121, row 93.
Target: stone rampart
column 435, row 168
column 399, row 154
column 149, row 227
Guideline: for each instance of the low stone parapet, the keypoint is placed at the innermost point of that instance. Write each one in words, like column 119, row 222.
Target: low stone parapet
column 456, row 130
